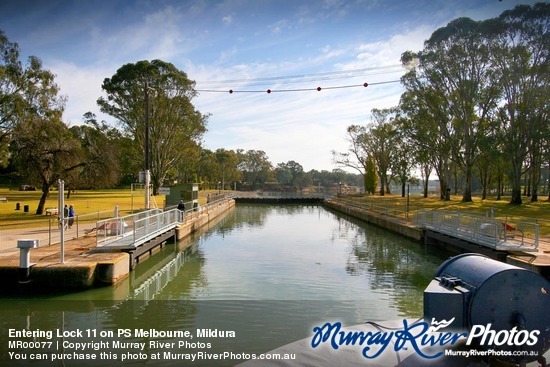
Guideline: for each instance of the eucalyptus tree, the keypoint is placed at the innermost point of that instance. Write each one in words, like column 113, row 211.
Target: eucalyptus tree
column 382, row 139
column 455, row 63
column 40, row 144
column 292, row 173
column 227, row 164
column 27, row 92
column 207, row 168
column 426, row 123
column 404, row 157
column 101, row 152
column 255, row 166
column 11, row 85
column 357, row 156
column 152, row 102
column 375, row 142
column 519, row 44
column 44, row 150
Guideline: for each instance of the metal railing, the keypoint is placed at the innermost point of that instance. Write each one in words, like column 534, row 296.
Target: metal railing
column 133, row 230
column 134, row 227
column 497, row 233
column 500, row 234
column 395, row 212
column 47, row 229
column 279, row 194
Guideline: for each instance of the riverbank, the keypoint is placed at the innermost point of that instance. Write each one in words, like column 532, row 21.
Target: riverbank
column 82, row 268
column 538, row 261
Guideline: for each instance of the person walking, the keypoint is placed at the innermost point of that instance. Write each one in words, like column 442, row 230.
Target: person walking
column 63, row 223
column 71, row 215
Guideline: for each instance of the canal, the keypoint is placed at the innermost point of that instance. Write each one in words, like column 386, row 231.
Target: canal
column 260, row 278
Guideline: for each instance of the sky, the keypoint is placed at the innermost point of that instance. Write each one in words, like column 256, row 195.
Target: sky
column 290, row 47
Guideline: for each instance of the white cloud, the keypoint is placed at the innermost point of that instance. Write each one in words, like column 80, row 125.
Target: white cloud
column 227, row 20
column 82, row 85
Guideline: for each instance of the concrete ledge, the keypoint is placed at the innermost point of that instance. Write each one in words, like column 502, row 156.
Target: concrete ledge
column 386, row 223
column 203, row 219
column 111, row 272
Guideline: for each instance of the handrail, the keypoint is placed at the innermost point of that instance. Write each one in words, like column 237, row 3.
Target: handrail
column 134, row 229
column 496, row 233
column 112, row 229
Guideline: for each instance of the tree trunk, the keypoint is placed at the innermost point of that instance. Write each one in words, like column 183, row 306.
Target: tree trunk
column 426, row 180
column 467, row 193
column 382, row 184
column 42, row 202
column 516, row 184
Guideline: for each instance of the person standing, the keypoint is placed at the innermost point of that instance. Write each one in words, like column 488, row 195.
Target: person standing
column 181, row 208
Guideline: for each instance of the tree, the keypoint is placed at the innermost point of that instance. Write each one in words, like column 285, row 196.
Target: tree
column 11, row 90
column 370, row 178
column 519, row 48
column 255, row 166
column 425, row 123
column 358, row 153
column 455, row 63
column 152, row 101
column 100, row 153
column 30, row 117
column 381, row 142
column 283, row 174
column 207, row 169
column 45, row 151
column 227, row 162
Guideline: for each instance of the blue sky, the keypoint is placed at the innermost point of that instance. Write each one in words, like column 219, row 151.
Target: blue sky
column 244, row 45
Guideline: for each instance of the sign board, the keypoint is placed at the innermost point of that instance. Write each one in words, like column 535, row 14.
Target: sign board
column 164, row 190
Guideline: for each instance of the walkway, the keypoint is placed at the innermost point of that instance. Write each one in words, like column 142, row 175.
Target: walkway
column 134, row 230
column 494, row 233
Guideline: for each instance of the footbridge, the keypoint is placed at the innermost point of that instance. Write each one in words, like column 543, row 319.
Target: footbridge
column 137, row 233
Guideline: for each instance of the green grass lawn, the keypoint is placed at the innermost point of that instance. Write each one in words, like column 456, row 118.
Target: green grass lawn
column 84, row 202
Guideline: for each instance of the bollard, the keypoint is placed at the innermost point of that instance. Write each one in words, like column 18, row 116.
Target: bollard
column 25, row 258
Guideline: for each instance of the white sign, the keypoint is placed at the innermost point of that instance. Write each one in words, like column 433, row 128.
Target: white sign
column 164, row 190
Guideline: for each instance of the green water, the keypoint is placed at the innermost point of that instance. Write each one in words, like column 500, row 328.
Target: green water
column 267, row 273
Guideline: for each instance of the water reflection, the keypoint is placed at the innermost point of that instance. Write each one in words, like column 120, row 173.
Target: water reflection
column 268, row 272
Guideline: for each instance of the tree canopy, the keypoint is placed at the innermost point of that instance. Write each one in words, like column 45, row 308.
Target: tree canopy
column 152, row 101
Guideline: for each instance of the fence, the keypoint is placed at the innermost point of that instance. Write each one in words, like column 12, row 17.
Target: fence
column 491, row 232
column 499, row 233
column 135, row 229
column 114, row 229
column 47, row 229
column 395, row 211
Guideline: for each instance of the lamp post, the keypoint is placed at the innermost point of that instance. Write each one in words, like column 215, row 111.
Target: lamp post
column 61, row 213
column 147, row 160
